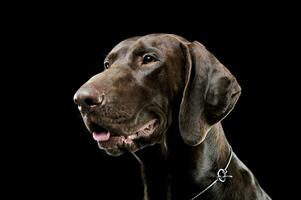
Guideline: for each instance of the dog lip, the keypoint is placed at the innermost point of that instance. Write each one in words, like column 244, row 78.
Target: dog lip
column 149, row 123
column 146, row 130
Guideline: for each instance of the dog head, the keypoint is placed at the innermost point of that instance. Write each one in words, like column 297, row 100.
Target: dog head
column 128, row 106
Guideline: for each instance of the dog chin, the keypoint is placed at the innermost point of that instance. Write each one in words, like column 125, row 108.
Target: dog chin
column 113, row 151
column 117, row 145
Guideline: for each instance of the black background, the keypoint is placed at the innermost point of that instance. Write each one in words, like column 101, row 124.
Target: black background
column 57, row 48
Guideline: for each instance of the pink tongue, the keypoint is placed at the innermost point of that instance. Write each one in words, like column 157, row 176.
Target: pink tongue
column 100, row 137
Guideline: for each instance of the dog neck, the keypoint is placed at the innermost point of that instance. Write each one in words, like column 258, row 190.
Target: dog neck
column 181, row 170
column 194, row 168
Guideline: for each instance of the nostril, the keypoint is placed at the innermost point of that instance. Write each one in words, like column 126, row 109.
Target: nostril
column 90, row 102
column 75, row 99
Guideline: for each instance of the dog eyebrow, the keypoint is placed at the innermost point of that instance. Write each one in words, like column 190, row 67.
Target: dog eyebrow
column 143, row 50
column 111, row 56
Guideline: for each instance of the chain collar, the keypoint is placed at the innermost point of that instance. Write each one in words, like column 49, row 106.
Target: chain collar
column 221, row 176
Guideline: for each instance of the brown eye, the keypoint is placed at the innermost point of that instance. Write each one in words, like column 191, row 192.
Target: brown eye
column 106, row 65
column 148, row 59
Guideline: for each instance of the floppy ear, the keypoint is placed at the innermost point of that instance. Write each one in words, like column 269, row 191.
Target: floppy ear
column 210, row 93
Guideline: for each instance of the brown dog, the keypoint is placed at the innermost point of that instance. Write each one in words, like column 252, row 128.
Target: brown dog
column 162, row 91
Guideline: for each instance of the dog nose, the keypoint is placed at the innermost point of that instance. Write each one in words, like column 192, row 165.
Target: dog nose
column 88, row 97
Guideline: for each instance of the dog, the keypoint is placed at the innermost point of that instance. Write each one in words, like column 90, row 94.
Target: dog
column 167, row 96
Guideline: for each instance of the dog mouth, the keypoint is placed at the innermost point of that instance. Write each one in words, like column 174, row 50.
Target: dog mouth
column 100, row 134
column 115, row 144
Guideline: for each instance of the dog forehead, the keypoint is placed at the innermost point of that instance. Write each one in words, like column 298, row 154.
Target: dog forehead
column 160, row 41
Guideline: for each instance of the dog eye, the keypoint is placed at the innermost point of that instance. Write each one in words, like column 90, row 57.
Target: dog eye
column 148, row 59
column 106, row 65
